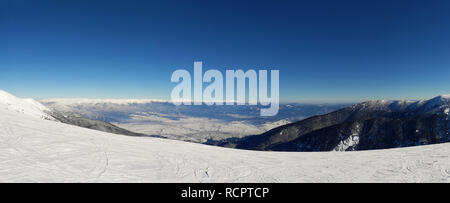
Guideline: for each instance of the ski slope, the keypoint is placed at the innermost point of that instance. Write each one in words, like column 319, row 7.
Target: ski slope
column 33, row 149
column 28, row 107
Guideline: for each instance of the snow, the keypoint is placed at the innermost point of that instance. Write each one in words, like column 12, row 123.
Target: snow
column 28, row 107
column 37, row 150
column 150, row 117
column 69, row 102
column 421, row 106
column 351, row 141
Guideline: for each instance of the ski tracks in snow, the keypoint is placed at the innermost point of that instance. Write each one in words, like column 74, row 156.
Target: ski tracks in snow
column 34, row 150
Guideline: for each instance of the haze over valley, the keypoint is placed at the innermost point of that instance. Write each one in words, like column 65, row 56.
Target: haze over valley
column 187, row 123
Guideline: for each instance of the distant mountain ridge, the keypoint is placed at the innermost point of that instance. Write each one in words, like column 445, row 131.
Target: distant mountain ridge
column 27, row 107
column 369, row 125
column 102, row 101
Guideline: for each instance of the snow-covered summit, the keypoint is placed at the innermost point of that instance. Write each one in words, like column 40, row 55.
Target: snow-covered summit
column 436, row 104
column 29, row 107
column 74, row 105
column 441, row 100
column 426, row 105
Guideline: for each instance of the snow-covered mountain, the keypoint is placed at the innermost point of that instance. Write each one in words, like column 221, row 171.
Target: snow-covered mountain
column 34, row 149
column 28, row 107
column 35, row 109
column 368, row 125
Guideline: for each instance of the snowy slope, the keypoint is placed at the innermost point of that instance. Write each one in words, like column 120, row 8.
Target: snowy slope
column 28, row 107
column 37, row 150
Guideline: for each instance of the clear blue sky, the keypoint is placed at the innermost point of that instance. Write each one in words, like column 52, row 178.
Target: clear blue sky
column 326, row 51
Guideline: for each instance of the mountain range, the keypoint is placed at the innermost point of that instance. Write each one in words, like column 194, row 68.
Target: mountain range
column 365, row 126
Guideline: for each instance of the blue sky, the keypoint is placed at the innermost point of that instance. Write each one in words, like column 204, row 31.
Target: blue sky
column 326, row 51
